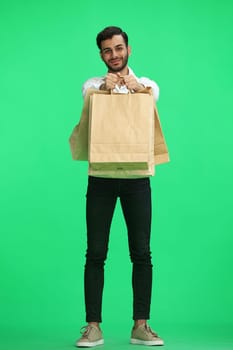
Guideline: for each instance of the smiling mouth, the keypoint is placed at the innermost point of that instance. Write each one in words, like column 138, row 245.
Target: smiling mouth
column 114, row 62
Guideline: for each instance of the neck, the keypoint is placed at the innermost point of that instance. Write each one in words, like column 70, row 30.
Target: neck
column 124, row 71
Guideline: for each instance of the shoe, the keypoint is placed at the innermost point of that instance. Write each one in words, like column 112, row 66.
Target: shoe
column 143, row 335
column 91, row 336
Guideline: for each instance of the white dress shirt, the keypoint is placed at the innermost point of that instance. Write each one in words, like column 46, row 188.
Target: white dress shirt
column 96, row 82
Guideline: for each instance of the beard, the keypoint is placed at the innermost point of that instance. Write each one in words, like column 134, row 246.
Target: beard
column 120, row 68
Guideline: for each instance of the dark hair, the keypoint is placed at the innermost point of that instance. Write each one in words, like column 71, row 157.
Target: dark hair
column 108, row 32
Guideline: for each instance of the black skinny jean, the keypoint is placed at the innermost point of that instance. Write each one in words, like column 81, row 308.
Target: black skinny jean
column 135, row 199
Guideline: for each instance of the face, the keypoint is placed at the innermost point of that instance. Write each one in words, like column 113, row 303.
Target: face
column 114, row 53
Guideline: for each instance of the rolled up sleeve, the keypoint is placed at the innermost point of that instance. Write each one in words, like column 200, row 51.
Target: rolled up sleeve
column 93, row 83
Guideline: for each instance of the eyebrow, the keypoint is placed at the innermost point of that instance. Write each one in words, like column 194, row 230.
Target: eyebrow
column 109, row 48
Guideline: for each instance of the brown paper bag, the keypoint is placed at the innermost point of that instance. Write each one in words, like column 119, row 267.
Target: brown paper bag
column 78, row 141
column 121, row 129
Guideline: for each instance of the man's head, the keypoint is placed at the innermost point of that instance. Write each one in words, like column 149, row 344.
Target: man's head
column 114, row 49
column 108, row 33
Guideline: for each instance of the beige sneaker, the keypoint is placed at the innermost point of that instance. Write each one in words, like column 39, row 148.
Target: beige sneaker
column 143, row 335
column 91, row 336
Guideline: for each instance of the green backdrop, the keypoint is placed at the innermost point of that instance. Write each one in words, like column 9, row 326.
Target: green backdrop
column 47, row 51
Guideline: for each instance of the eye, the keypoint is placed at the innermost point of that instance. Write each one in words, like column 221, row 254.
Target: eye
column 119, row 49
column 107, row 51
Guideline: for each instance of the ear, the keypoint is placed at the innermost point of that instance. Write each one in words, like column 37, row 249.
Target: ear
column 129, row 50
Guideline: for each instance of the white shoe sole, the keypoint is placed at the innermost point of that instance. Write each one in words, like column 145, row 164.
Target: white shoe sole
column 85, row 344
column 146, row 342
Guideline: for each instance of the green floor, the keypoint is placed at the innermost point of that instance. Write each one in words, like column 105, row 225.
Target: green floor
column 176, row 338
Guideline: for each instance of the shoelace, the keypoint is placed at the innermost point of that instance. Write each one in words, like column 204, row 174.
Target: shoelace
column 150, row 330
column 86, row 331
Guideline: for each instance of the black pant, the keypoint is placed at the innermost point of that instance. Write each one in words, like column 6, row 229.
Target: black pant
column 135, row 199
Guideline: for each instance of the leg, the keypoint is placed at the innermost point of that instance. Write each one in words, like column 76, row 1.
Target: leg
column 100, row 204
column 136, row 205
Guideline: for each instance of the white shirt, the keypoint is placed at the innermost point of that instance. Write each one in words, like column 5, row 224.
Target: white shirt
column 96, row 82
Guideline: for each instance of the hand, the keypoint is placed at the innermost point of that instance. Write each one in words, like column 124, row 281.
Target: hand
column 131, row 83
column 111, row 80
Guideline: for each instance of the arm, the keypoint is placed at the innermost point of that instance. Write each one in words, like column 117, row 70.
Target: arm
column 111, row 79
column 101, row 83
column 93, row 83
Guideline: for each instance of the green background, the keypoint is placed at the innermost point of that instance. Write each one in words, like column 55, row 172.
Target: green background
column 47, row 51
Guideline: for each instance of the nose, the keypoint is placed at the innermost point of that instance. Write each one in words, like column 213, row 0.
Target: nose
column 114, row 53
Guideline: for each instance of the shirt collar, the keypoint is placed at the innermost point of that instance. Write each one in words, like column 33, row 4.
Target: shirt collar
column 131, row 72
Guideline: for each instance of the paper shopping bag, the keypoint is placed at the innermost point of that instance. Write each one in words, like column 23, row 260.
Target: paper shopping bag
column 121, row 128
column 78, row 139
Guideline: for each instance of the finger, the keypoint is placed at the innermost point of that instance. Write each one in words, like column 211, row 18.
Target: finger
column 111, row 81
column 127, row 78
column 112, row 76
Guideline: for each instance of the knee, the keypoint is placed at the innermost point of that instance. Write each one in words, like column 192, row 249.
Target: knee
column 96, row 256
column 141, row 257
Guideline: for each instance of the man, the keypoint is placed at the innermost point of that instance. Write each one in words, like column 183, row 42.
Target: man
column 135, row 198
